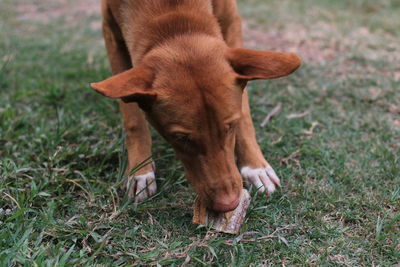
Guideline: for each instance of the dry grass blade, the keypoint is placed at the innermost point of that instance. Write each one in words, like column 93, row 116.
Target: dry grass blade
column 231, row 242
column 13, row 200
column 240, row 239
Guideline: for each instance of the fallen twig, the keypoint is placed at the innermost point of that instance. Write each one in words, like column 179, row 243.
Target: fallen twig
column 292, row 157
column 311, row 130
column 273, row 112
column 298, row 115
column 265, row 104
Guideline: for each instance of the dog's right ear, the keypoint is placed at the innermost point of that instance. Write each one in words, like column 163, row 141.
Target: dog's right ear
column 256, row 64
column 133, row 85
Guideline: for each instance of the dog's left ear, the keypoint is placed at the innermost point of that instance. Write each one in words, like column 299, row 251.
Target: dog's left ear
column 255, row 64
column 133, row 85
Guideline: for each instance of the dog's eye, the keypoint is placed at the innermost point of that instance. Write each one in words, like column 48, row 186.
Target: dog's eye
column 181, row 137
column 184, row 142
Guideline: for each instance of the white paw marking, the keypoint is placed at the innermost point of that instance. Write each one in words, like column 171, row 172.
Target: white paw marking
column 141, row 187
column 263, row 179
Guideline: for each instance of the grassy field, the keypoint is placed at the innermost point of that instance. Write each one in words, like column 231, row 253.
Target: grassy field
column 62, row 153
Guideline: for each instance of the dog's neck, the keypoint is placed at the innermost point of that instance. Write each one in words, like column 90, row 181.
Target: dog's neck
column 148, row 24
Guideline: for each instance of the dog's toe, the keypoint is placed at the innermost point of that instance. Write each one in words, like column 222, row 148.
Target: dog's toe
column 141, row 187
column 264, row 180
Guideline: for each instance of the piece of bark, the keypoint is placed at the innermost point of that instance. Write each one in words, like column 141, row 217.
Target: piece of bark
column 229, row 222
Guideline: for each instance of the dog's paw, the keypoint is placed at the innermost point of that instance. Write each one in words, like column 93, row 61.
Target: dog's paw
column 140, row 187
column 264, row 180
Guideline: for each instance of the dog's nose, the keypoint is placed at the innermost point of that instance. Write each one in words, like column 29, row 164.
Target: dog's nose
column 225, row 204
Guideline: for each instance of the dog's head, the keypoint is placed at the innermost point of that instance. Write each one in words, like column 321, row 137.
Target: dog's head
column 191, row 91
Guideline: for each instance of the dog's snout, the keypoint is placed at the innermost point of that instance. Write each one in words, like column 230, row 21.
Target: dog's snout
column 225, row 203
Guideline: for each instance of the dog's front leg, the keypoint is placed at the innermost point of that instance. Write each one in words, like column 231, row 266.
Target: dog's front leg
column 254, row 168
column 142, row 184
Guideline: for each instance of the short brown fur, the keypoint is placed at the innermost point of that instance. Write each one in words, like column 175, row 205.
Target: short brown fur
column 189, row 78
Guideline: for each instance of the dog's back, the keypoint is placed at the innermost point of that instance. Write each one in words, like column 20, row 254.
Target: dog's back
column 138, row 10
column 147, row 23
column 153, row 8
column 143, row 24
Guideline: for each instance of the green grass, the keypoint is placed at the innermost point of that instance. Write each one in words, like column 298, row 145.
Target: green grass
column 62, row 153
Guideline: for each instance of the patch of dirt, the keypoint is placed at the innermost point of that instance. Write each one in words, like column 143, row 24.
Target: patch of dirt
column 296, row 40
column 324, row 41
column 44, row 10
column 393, row 116
column 311, row 48
column 397, row 75
column 396, row 124
column 394, row 109
column 318, row 44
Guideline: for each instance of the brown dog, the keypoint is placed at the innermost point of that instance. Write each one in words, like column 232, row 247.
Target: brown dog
column 189, row 81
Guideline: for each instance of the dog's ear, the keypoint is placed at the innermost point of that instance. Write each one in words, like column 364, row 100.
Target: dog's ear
column 133, row 85
column 255, row 64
